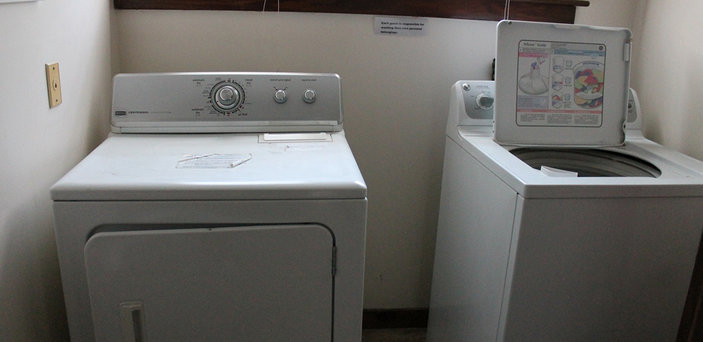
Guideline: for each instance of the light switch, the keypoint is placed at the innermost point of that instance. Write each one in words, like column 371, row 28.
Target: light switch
column 53, row 84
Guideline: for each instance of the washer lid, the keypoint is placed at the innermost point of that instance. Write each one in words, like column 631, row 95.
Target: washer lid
column 214, row 167
column 563, row 85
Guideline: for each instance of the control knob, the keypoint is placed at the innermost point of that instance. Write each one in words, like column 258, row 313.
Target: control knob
column 484, row 101
column 309, row 96
column 280, row 96
column 226, row 96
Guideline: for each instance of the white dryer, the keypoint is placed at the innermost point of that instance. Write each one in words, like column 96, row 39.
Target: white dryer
column 224, row 207
column 559, row 243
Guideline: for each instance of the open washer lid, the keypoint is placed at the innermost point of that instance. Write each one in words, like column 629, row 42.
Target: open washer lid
column 561, row 85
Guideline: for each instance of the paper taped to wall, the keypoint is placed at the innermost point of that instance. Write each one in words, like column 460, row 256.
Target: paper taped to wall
column 403, row 26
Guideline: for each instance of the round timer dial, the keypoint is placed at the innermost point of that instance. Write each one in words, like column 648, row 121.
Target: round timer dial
column 226, row 96
column 485, row 101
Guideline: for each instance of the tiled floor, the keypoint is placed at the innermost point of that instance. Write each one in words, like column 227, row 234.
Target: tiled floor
column 394, row 335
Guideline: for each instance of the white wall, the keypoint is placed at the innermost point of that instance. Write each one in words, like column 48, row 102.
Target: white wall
column 395, row 89
column 666, row 63
column 620, row 13
column 670, row 74
column 396, row 93
column 38, row 145
column 616, row 13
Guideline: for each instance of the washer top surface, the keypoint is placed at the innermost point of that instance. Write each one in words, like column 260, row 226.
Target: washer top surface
column 674, row 174
column 638, row 168
column 215, row 167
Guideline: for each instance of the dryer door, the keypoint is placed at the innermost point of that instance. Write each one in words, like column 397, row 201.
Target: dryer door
column 255, row 283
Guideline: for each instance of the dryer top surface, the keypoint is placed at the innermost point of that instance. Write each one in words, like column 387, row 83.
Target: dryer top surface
column 215, row 167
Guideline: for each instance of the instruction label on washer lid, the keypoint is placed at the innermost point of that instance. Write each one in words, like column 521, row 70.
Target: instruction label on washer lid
column 401, row 26
column 560, row 84
column 212, row 161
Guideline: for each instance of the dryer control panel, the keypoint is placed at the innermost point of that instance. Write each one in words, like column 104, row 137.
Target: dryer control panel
column 226, row 102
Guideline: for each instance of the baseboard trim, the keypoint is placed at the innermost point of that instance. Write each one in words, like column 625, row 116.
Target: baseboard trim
column 395, row 318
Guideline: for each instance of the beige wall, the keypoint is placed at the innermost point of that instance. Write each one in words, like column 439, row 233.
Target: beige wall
column 396, row 93
column 395, row 101
column 670, row 74
column 38, row 145
column 616, row 13
column 665, row 65
column 620, row 13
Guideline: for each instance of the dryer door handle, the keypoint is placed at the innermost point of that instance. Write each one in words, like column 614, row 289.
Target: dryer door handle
column 132, row 321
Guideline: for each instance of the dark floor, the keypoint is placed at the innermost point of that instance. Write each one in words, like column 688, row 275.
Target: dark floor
column 394, row 335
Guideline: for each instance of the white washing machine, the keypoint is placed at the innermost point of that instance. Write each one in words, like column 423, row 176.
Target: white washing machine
column 552, row 242
column 224, row 207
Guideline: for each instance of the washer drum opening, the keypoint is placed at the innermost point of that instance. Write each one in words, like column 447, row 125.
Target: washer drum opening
column 587, row 162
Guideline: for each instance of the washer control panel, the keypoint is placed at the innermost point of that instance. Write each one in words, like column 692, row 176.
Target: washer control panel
column 226, row 102
column 479, row 97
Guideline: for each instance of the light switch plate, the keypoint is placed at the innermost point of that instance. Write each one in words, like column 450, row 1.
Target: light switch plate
column 53, row 84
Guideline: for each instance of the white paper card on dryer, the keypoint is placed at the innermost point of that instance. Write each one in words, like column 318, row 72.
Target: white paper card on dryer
column 212, row 161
